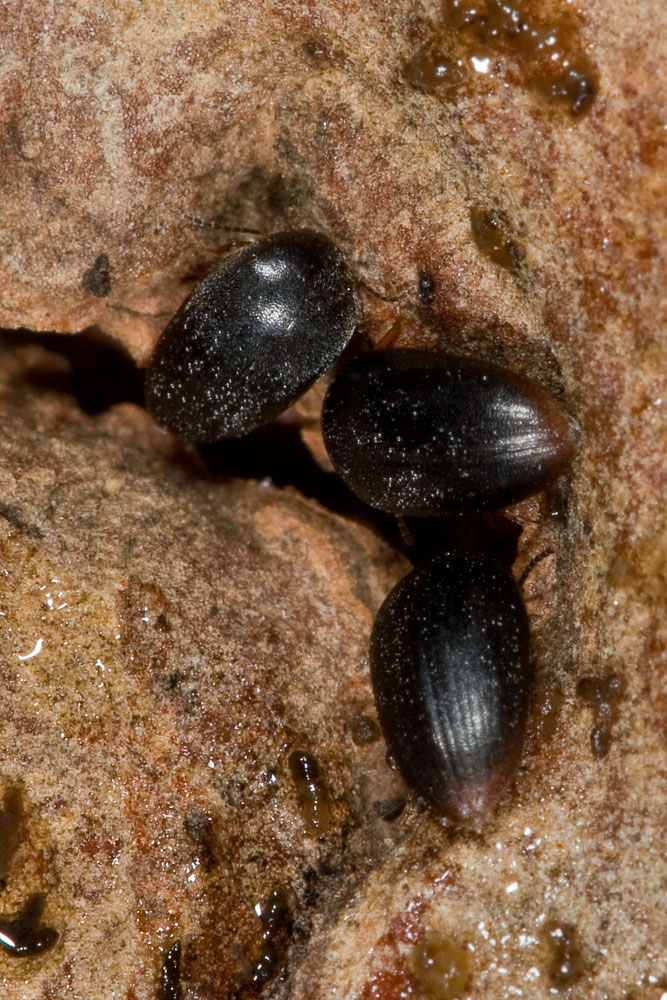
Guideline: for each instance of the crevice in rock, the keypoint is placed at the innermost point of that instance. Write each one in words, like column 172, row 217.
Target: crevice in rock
column 101, row 371
column 276, row 453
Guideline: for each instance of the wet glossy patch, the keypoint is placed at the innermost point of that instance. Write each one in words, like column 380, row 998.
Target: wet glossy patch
column 603, row 695
column 566, row 964
column 24, row 936
column 270, row 960
column 547, row 705
column 491, row 232
column 312, row 794
column 478, row 40
column 170, row 975
column 442, row 967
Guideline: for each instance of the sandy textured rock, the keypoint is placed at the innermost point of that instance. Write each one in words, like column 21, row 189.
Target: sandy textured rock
column 166, row 644
column 120, row 123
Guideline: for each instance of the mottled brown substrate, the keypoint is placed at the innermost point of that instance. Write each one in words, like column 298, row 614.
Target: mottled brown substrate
column 166, row 644
column 543, row 239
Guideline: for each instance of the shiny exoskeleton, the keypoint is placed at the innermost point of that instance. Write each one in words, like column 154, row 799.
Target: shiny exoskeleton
column 421, row 434
column 451, row 678
column 252, row 337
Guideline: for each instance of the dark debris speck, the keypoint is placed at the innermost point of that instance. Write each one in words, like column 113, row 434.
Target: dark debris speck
column 97, row 279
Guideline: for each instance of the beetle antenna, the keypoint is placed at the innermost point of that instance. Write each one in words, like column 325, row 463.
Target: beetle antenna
column 425, row 289
column 218, row 227
column 394, row 811
column 398, row 297
column 406, row 535
column 533, row 563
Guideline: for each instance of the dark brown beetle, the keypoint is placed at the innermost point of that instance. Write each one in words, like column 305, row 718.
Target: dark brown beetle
column 252, row 337
column 424, row 434
column 451, row 677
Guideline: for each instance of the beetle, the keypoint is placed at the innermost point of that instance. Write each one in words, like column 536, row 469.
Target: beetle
column 253, row 335
column 451, row 676
column 422, row 434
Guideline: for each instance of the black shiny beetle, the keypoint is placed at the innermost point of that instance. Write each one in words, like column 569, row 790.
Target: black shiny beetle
column 424, row 434
column 414, row 433
column 252, row 337
column 421, row 434
column 451, row 678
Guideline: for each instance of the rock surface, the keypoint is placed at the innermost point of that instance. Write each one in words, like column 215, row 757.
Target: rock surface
column 540, row 239
column 167, row 644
